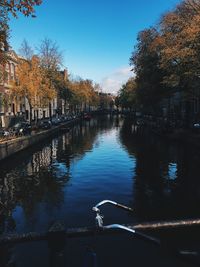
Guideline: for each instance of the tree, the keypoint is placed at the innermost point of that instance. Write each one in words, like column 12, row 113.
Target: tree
column 145, row 62
column 94, row 98
column 26, row 7
column 84, row 93
column 127, row 96
column 105, row 101
column 62, row 85
column 3, row 41
column 33, row 84
column 12, row 7
column 180, row 50
column 166, row 58
column 26, row 51
column 193, row 5
column 180, row 46
column 51, row 61
column 50, row 54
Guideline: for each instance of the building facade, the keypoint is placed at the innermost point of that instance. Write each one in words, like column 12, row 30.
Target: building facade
column 15, row 109
column 10, row 108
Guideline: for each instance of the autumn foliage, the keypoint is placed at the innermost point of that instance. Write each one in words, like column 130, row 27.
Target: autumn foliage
column 12, row 7
column 166, row 57
column 26, row 7
column 32, row 83
column 127, row 96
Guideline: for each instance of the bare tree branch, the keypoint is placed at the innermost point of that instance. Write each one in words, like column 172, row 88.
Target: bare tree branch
column 26, row 50
column 51, row 56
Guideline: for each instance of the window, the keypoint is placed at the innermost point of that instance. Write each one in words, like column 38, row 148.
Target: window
column 6, row 74
column 12, row 71
column 1, row 104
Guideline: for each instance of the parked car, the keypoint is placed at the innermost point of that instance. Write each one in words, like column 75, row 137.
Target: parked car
column 63, row 118
column 44, row 124
column 196, row 127
column 55, row 121
column 21, row 128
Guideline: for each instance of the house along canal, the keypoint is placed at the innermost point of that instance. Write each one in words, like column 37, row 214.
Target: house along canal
column 63, row 178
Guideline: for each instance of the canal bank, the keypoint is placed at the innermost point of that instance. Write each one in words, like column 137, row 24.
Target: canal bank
column 11, row 147
column 182, row 136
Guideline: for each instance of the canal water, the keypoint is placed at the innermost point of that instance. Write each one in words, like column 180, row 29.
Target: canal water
column 105, row 158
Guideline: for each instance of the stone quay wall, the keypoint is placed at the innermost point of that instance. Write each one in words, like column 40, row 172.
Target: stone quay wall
column 10, row 147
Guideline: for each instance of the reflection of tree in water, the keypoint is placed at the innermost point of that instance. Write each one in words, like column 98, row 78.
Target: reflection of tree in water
column 166, row 183
column 74, row 144
column 40, row 177
column 35, row 181
column 28, row 189
column 188, row 189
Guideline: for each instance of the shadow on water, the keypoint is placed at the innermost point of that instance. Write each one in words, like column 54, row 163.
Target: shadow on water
column 166, row 186
column 62, row 178
column 166, row 180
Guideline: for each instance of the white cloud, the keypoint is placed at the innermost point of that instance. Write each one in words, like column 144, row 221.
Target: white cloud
column 113, row 82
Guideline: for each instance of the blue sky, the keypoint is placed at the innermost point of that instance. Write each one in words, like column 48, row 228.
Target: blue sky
column 96, row 36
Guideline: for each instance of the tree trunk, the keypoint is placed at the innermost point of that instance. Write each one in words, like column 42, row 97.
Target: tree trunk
column 30, row 115
column 65, row 106
column 50, row 113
